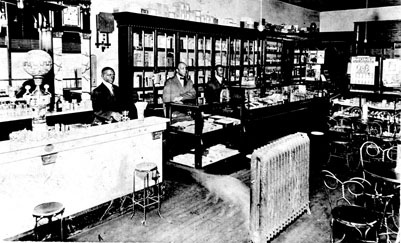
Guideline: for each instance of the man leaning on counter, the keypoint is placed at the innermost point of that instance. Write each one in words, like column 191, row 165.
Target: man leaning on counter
column 106, row 99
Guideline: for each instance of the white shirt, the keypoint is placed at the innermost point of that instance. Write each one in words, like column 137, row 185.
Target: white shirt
column 219, row 79
column 181, row 79
column 109, row 86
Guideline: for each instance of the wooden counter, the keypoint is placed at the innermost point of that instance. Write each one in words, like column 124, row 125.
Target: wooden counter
column 82, row 169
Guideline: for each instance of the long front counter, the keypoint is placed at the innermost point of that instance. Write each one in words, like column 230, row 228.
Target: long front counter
column 82, row 169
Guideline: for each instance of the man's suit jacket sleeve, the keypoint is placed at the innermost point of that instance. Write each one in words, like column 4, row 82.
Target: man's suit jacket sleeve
column 167, row 97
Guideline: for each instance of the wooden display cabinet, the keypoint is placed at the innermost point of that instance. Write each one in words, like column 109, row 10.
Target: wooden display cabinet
column 150, row 47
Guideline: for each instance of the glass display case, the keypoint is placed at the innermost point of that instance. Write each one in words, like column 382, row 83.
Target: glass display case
column 199, row 135
column 255, row 97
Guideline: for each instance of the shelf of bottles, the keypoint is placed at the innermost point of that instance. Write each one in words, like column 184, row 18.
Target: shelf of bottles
column 234, row 57
column 273, row 60
column 299, row 65
column 204, row 53
column 251, row 62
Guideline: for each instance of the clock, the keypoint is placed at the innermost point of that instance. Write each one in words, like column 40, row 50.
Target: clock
column 105, row 22
column 72, row 16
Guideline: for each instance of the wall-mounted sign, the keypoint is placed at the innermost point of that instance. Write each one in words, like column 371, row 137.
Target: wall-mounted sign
column 392, row 73
column 72, row 16
column 363, row 70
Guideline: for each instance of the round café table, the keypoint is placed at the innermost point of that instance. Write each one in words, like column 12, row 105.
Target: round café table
column 382, row 172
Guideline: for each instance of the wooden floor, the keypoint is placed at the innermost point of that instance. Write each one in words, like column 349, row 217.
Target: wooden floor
column 189, row 217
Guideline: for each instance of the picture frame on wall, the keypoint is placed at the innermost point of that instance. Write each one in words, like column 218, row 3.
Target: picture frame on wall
column 312, row 72
column 71, row 16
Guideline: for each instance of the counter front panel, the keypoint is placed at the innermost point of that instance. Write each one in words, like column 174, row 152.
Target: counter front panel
column 80, row 171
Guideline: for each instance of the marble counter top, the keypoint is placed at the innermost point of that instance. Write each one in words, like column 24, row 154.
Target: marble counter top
column 11, row 150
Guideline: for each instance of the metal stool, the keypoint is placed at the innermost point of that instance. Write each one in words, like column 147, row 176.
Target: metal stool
column 144, row 171
column 48, row 210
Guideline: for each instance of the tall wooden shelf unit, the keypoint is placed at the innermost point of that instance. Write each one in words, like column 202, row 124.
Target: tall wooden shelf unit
column 150, row 47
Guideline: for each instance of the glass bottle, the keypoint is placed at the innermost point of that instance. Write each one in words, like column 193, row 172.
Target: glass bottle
column 38, row 103
column 59, row 104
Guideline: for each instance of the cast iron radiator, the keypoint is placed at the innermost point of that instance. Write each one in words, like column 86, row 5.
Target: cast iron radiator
column 280, row 185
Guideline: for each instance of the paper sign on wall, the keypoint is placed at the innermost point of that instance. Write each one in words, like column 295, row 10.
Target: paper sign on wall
column 363, row 70
column 392, row 73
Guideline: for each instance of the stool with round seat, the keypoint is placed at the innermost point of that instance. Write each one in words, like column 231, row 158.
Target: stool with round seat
column 146, row 171
column 48, row 210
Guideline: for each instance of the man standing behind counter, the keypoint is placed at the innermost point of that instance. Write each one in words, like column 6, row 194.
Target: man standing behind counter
column 216, row 85
column 106, row 99
column 180, row 87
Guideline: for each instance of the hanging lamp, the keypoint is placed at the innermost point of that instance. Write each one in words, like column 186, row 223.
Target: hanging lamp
column 366, row 25
column 261, row 26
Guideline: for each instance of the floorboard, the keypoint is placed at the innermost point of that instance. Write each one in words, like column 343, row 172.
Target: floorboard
column 188, row 216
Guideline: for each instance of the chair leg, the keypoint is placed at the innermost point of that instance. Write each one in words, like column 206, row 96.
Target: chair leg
column 133, row 197
column 61, row 228
column 35, row 229
column 145, row 186
column 158, row 199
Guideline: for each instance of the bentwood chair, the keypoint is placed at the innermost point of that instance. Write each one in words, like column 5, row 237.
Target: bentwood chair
column 370, row 153
column 350, row 220
column 383, row 196
column 355, row 111
column 340, row 144
column 375, row 130
column 359, row 136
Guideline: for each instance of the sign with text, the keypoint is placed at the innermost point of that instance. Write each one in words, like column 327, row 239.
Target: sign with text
column 392, row 73
column 363, row 70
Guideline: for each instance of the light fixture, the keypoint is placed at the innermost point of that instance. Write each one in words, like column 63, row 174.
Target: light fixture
column 261, row 25
column 3, row 17
column 366, row 26
column 20, row 4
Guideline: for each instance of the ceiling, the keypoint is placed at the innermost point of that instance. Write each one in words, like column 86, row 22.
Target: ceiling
column 330, row 5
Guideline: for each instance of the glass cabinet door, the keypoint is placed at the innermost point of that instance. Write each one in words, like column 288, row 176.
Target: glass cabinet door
column 272, row 59
column 221, row 52
column 235, row 61
column 144, row 63
column 204, row 52
column 166, row 56
column 299, row 62
column 186, row 52
column 251, row 62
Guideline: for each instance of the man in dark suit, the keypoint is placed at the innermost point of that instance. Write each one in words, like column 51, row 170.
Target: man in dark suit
column 215, row 85
column 106, row 99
